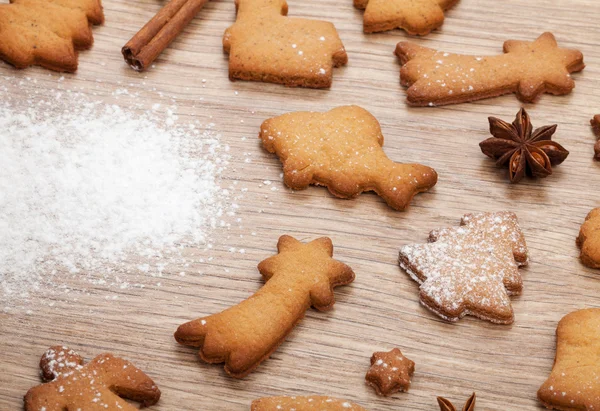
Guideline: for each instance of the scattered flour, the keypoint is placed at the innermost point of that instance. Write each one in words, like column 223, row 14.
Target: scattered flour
column 86, row 187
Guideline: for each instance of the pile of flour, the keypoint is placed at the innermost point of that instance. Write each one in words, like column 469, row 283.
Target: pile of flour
column 86, row 186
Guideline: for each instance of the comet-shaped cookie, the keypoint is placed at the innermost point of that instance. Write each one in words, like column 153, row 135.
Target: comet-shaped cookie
column 414, row 16
column 528, row 69
column 299, row 276
column 341, row 149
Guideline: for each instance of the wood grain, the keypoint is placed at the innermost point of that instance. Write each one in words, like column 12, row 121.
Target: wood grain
column 329, row 353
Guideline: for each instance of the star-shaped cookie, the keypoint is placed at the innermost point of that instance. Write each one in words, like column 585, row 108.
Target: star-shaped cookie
column 471, row 269
column 342, row 150
column 390, row 372
column 574, row 383
column 414, row 16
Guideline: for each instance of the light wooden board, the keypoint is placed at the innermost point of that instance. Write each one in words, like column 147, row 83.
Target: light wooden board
column 328, row 353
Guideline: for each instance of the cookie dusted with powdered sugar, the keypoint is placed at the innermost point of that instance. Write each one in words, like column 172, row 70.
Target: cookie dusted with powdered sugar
column 390, row 372
column 471, row 269
column 102, row 384
column 342, row 150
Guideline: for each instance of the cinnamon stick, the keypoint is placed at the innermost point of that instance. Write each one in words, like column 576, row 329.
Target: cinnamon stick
column 158, row 33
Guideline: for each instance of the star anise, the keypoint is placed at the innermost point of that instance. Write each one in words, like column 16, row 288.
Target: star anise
column 596, row 127
column 525, row 151
column 446, row 405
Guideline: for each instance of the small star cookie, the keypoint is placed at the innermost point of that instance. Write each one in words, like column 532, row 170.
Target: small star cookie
column 390, row 372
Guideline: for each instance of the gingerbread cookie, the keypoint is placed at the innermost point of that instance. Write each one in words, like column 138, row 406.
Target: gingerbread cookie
column 47, row 33
column 265, row 45
column 390, row 372
column 574, row 383
column 102, row 384
column 313, row 403
column 596, row 127
column 589, row 239
column 528, row 69
column 446, row 405
column 414, row 16
column 471, row 269
column 299, row 276
column 341, row 149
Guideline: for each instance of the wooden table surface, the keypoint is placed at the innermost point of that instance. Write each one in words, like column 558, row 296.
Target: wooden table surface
column 328, row 353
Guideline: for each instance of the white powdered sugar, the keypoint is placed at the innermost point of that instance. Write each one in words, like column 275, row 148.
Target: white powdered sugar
column 85, row 186
column 58, row 361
